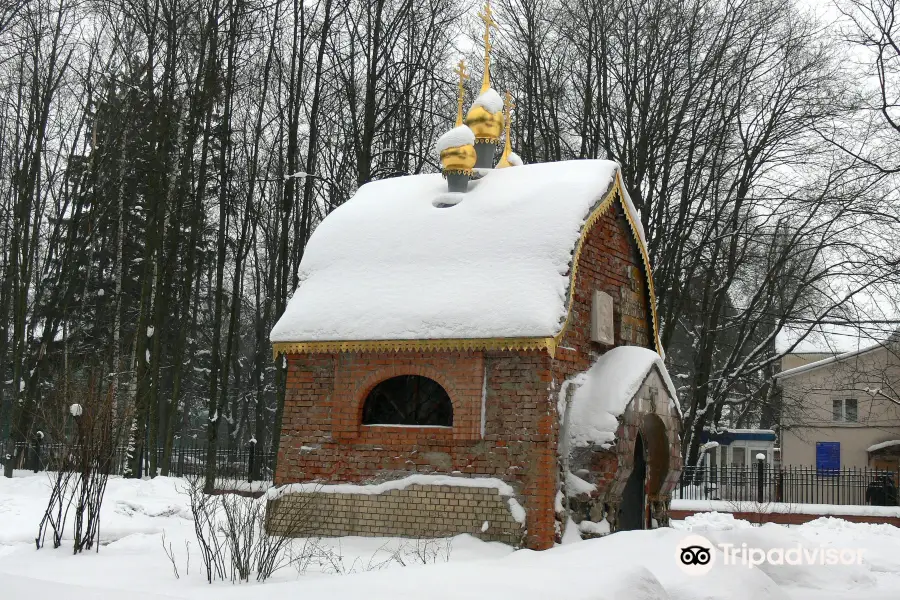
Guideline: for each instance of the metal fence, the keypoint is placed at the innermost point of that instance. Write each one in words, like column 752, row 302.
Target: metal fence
column 790, row 484
column 247, row 463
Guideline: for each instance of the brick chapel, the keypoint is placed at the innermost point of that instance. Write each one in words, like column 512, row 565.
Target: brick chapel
column 476, row 352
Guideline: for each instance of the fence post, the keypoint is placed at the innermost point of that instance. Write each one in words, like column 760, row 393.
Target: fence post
column 760, row 474
column 38, row 436
column 251, row 446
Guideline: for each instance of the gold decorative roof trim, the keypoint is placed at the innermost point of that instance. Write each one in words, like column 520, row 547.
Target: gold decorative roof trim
column 589, row 223
column 488, row 140
column 648, row 272
column 613, row 194
column 533, row 343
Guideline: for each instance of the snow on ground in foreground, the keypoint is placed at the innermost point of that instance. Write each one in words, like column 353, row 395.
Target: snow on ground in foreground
column 626, row 566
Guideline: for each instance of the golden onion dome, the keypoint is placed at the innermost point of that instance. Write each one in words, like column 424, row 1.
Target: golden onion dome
column 485, row 118
column 457, row 150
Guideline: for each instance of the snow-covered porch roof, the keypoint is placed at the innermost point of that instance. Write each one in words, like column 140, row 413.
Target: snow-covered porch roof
column 890, row 446
column 390, row 269
column 604, row 391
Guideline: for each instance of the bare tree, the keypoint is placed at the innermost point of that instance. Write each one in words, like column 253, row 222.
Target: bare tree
column 873, row 30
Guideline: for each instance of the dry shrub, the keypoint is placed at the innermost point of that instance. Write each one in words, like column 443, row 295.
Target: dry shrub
column 231, row 534
column 87, row 433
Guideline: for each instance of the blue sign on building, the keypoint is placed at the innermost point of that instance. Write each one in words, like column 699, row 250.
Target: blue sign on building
column 828, row 458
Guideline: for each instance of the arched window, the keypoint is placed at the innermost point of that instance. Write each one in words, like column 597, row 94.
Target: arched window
column 408, row 400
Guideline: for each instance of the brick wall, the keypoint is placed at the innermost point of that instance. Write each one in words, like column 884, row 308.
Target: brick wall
column 323, row 438
column 415, row 511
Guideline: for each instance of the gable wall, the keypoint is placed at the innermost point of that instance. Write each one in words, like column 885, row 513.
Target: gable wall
column 608, row 255
column 611, row 262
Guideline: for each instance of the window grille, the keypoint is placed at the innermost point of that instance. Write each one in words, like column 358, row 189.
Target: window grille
column 408, row 400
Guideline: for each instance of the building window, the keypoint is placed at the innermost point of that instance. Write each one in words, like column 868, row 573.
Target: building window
column 408, row 400
column 844, row 410
column 850, row 410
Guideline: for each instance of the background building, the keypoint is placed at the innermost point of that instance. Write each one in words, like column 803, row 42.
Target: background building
column 837, row 408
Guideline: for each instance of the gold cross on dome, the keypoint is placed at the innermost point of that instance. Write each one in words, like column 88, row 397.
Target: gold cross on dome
column 507, row 146
column 488, row 17
column 507, row 109
column 508, row 103
column 461, row 71
column 463, row 75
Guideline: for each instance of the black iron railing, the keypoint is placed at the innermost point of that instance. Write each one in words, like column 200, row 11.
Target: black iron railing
column 790, row 484
column 247, row 463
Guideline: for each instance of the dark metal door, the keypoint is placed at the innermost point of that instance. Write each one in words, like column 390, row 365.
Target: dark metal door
column 631, row 510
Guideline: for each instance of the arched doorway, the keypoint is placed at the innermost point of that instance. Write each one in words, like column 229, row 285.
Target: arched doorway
column 656, row 445
column 631, row 509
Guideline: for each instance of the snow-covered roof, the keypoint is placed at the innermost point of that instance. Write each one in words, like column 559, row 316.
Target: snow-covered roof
column 766, row 431
column 788, row 373
column 729, row 436
column 390, row 265
column 883, row 445
column 606, row 388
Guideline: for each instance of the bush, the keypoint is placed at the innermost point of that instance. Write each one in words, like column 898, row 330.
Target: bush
column 231, row 535
column 80, row 471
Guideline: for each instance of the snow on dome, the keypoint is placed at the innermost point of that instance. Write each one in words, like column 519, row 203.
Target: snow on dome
column 490, row 100
column 605, row 390
column 458, row 136
column 389, row 265
column 514, row 159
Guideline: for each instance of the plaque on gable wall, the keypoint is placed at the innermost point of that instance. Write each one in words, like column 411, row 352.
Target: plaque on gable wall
column 603, row 327
column 633, row 328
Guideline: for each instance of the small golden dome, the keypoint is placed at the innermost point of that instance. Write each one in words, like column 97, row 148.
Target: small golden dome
column 459, row 159
column 457, row 150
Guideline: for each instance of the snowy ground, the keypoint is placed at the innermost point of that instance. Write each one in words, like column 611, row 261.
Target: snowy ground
column 626, row 566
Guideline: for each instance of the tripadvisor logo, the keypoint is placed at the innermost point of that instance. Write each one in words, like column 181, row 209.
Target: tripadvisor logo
column 696, row 555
